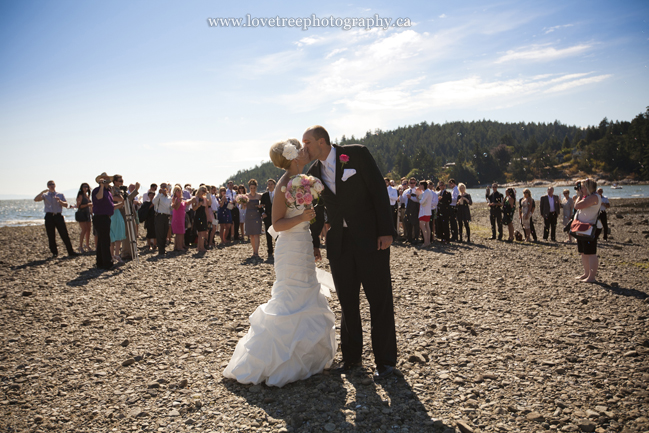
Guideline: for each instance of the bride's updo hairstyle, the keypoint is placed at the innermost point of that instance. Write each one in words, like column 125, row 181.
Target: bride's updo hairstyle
column 277, row 153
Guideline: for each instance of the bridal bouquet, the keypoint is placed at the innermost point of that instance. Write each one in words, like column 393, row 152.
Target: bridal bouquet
column 302, row 190
column 242, row 200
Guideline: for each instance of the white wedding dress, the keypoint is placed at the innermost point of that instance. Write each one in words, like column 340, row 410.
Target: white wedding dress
column 292, row 336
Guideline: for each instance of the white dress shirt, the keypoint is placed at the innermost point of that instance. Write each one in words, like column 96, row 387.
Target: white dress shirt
column 162, row 204
column 329, row 173
column 454, row 194
column 393, row 194
column 406, row 196
column 551, row 201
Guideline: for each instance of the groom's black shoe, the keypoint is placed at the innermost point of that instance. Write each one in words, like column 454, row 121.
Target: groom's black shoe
column 383, row 371
column 348, row 366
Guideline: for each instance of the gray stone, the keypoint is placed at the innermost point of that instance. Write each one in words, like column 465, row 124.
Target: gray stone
column 330, row 426
column 586, row 425
column 174, row 412
column 464, row 426
column 128, row 362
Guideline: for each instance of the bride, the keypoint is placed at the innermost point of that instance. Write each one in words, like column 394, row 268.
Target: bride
column 292, row 336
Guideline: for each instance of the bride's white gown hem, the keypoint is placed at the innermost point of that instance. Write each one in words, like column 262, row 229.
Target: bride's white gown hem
column 292, row 336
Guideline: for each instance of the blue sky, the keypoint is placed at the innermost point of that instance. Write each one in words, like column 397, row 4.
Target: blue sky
column 151, row 91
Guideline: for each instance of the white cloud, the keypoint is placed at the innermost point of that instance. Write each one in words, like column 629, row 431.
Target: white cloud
column 336, row 51
column 576, row 83
column 547, row 30
column 442, row 16
column 542, row 53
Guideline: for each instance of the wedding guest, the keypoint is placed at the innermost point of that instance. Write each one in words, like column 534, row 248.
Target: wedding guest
column 214, row 209
column 178, row 204
column 411, row 219
column 495, row 200
column 433, row 208
column 103, row 208
column 225, row 215
column 525, row 212
column 147, row 214
column 83, row 216
column 602, row 213
column 402, row 205
column 509, row 207
column 202, row 205
column 187, row 191
column 393, row 195
column 54, row 203
column 241, row 190
column 267, row 214
column 532, row 203
column 443, row 212
column 453, row 208
column 117, row 226
column 253, row 217
column 424, row 196
column 567, row 209
column 549, row 210
column 587, row 206
column 162, row 206
column 153, row 188
column 463, row 211
column 234, row 210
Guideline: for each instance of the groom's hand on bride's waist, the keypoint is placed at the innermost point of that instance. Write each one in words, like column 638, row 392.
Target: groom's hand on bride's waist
column 384, row 242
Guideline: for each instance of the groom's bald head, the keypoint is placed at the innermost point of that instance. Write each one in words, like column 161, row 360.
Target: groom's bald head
column 319, row 132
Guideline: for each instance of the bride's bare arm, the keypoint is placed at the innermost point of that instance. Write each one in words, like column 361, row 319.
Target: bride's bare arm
column 280, row 222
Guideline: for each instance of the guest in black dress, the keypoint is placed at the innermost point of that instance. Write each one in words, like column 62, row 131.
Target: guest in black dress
column 463, row 212
column 83, row 216
column 201, row 203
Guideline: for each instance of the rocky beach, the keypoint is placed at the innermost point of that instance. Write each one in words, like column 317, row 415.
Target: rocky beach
column 492, row 337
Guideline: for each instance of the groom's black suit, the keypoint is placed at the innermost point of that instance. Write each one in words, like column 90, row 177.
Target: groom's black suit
column 362, row 201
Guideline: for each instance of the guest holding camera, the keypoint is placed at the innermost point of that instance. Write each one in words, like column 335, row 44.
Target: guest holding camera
column 54, row 204
column 567, row 208
column 587, row 206
column 103, row 208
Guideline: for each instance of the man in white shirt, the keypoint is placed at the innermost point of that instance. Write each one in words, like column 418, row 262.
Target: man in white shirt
column 162, row 206
column 433, row 209
column 393, row 195
column 602, row 213
column 455, row 192
column 54, row 204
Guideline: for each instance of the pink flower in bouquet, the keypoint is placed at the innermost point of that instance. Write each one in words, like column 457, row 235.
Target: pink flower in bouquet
column 289, row 185
column 308, row 198
column 305, row 182
column 344, row 159
column 289, row 197
column 299, row 201
column 299, row 195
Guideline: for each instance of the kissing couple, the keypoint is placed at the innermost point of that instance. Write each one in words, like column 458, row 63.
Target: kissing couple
column 292, row 336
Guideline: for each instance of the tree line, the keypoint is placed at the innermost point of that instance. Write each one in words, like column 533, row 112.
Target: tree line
column 481, row 152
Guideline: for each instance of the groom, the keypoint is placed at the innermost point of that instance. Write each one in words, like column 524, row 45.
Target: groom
column 358, row 210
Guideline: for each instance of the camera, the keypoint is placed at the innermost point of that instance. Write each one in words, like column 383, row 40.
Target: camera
column 578, row 186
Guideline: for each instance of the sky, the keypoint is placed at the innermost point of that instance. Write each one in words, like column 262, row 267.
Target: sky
column 152, row 91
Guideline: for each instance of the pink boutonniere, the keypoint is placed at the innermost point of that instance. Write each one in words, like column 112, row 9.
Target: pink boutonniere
column 344, row 159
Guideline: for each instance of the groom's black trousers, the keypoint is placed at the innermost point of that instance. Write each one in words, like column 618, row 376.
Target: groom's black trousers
column 371, row 269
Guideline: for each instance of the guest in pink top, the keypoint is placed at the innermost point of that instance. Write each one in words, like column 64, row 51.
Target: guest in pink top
column 178, row 204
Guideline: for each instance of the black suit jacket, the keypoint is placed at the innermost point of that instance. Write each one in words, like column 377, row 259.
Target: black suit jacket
column 545, row 205
column 268, row 207
column 362, row 201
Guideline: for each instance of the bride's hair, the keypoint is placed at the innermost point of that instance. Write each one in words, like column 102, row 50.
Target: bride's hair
column 277, row 150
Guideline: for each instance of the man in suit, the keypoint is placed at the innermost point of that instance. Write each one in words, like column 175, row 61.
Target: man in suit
column 444, row 212
column 267, row 215
column 495, row 200
column 452, row 217
column 358, row 245
column 550, row 206
column 411, row 220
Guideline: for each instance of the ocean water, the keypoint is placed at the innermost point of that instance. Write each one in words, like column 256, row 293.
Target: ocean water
column 28, row 212
column 627, row 191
